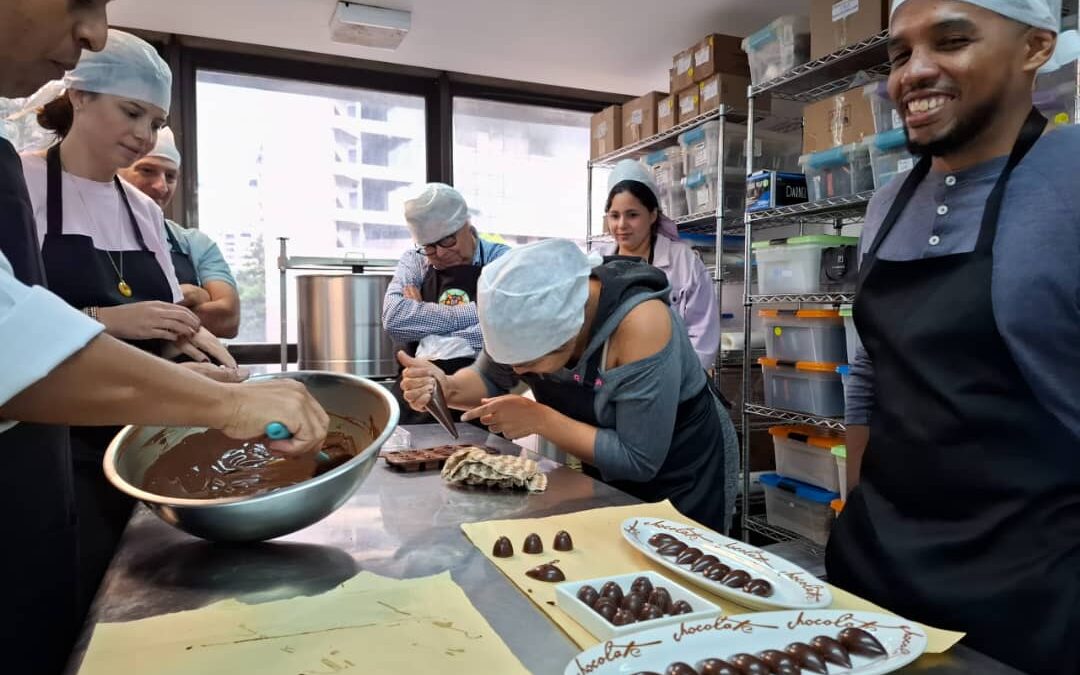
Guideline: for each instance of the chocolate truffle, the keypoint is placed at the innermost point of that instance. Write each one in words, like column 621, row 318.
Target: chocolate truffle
column 807, row 657
column 532, row 544
column 588, row 595
column 503, row 548
column 646, row 672
column 681, row 607
column 671, row 549
column 736, row 579
column 642, row 585
column 703, row 563
column 780, row 662
column 688, row 557
column 661, row 598
column 717, row 667
column 858, row 641
column 633, row 602
column 659, row 539
column 649, row 612
column 606, row 608
column 717, row 572
column 759, row 587
column 831, row 650
column 750, row 664
column 547, row 572
column 680, row 668
column 623, row 617
column 612, row 590
column 563, row 542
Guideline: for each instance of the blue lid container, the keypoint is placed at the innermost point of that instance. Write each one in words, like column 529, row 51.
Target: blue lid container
column 799, row 489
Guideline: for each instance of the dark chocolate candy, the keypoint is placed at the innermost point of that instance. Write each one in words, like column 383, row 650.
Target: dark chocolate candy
column 831, row 650
column 623, row 617
column 703, row 563
column 759, row 587
column 807, row 657
column 661, row 598
column 563, row 541
column 681, row 607
column 736, row 579
column 547, row 572
column 646, row 672
column 717, row 572
column 532, row 544
column 780, row 662
column 643, row 585
column 649, row 612
column 612, row 590
column 588, row 595
column 634, row 601
column 680, row 668
column 858, row 641
column 503, row 548
column 606, row 608
column 717, row 667
column 660, row 538
column 688, row 556
column 750, row 664
column 671, row 549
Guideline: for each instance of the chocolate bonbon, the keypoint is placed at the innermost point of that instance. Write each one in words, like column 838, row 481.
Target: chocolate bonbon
column 661, row 598
column 750, row 664
column 633, row 602
column 759, row 587
column 781, row 663
column 807, row 657
column 563, row 541
column 671, row 549
column 650, row 612
column 547, row 572
column 503, row 548
column 533, row 545
column 681, row 607
column 588, row 595
column 660, row 538
column 606, row 607
column 859, row 642
column 680, row 668
column 831, row 650
column 643, row 585
column 636, row 604
column 703, row 563
column 717, row 667
column 612, row 590
column 709, row 566
column 689, row 556
column 623, row 617
column 736, row 579
column 717, row 571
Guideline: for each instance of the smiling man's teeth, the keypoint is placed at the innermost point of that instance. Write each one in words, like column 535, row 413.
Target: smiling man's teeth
column 926, row 104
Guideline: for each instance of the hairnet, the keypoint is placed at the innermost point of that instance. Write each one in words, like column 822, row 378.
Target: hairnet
column 1044, row 14
column 629, row 169
column 531, row 300
column 166, row 147
column 128, row 67
column 439, row 210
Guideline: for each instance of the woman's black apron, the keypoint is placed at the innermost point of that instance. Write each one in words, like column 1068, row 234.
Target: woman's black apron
column 84, row 276
column 692, row 475
column 40, row 562
column 967, row 516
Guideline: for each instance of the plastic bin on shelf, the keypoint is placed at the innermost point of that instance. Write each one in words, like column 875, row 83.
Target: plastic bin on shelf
column 886, row 116
column 837, row 505
column 838, row 172
column 889, row 156
column 805, row 387
column 844, row 371
column 701, row 148
column 1055, row 96
column 806, row 453
column 804, row 335
column 700, row 192
column 667, row 168
column 673, row 203
column 798, row 507
column 851, row 335
column 778, row 47
column 840, row 453
column 794, row 265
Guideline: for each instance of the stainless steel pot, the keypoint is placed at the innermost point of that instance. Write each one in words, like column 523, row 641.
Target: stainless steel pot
column 277, row 513
column 340, row 324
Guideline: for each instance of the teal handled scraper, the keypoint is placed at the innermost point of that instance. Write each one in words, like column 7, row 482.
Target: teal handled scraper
column 276, row 431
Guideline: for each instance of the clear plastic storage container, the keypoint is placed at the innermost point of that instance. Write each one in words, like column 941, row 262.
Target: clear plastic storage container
column 778, row 47
column 886, row 117
column 851, row 335
column 700, row 192
column 844, row 371
column 806, row 387
column 701, row 148
column 806, row 453
column 667, row 168
column 804, row 335
column 798, row 507
column 838, row 172
column 840, row 453
column 794, row 265
column 889, row 156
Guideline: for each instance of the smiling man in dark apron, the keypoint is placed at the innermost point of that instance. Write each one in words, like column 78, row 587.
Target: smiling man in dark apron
column 430, row 305
column 967, row 511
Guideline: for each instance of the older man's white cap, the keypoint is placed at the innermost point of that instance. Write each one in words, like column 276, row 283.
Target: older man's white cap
column 127, row 67
column 1044, row 14
column 531, row 300
column 439, row 210
column 166, row 147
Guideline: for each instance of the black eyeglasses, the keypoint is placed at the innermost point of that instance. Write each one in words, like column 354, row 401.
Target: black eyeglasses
column 449, row 241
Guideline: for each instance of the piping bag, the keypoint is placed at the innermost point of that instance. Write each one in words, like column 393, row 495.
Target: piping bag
column 441, row 411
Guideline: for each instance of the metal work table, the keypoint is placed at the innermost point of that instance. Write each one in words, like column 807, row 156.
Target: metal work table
column 399, row 525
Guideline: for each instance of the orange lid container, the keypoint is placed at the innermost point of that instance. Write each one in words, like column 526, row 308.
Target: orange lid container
column 808, row 366
column 809, row 435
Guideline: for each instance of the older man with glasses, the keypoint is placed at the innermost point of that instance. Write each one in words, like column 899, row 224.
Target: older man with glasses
column 430, row 306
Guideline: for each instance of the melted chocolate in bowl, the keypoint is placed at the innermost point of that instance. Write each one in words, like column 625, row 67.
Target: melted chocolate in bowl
column 210, row 465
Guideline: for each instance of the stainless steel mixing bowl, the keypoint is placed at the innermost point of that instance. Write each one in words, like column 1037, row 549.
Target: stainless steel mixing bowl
column 359, row 403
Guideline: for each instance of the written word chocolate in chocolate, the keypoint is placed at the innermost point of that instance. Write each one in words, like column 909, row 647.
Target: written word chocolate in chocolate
column 563, row 541
column 533, row 545
column 807, row 657
column 717, row 667
column 831, row 650
column 588, row 595
column 547, row 572
column 503, row 548
column 759, row 587
column 858, row 641
column 750, row 664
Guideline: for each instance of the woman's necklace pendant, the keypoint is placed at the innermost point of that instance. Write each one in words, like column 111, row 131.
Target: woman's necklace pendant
column 124, row 289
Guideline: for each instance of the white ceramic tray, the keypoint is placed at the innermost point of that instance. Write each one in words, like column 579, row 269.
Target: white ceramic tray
column 567, row 600
column 653, row 650
column 793, row 587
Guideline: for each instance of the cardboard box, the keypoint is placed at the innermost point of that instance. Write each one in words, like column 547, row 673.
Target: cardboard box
column 730, row 90
column 719, row 54
column 836, row 24
column 666, row 114
column 840, row 120
column 688, row 104
column 682, row 71
column 639, row 117
column 606, row 131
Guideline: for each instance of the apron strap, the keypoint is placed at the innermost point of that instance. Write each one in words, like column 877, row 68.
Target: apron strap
column 131, row 213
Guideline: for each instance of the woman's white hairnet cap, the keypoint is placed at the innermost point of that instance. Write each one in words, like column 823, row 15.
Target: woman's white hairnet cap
column 1044, row 14
column 531, row 300
column 166, row 147
column 128, row 67
column 439, row 210
column 631, row 169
